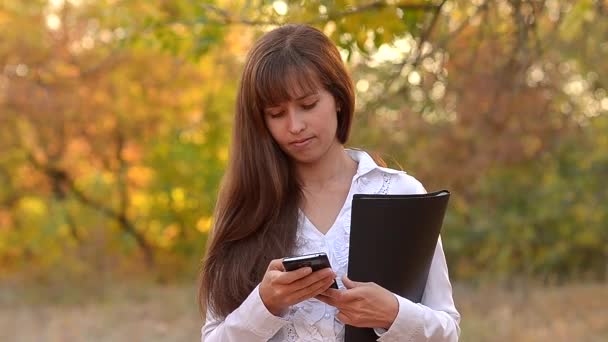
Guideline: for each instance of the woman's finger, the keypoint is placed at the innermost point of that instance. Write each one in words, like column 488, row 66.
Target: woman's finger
column 314, row 278
column 333, row 293
column 276, row 264
column 349, row 284
column 344, row 318
column 312, row 290
column 290, row 277
column 327, row 300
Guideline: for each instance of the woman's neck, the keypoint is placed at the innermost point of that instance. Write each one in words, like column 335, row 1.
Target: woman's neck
column 335, row 166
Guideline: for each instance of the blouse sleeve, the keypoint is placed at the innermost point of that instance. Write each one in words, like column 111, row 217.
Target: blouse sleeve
column 249, row 322
column 436, row 317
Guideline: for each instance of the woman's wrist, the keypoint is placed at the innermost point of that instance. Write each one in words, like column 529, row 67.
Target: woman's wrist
column 271, row 307
column 391, row 313
column 277, row 311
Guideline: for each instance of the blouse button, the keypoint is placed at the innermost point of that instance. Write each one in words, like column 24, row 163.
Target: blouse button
column 327, row 315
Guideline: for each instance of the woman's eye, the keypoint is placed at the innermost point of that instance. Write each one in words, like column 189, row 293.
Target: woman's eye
column 309, row 105
column 276, row 114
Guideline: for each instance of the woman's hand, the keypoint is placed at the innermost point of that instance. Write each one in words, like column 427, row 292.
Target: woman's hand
column 280, row 289
column 364, row 305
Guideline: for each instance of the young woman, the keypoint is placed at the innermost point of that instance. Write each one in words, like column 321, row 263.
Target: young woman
column 288, row 191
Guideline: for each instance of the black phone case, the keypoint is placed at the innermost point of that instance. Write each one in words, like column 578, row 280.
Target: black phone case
column 316, row 261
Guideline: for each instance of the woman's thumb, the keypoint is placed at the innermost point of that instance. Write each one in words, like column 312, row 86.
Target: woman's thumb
column 349, row 284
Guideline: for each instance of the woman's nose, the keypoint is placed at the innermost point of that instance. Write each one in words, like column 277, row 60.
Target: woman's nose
column 296, row 124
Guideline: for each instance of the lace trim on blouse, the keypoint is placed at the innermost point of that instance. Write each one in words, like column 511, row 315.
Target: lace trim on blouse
column 312, row 320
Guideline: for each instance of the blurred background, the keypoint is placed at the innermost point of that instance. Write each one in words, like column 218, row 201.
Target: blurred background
column 115, row 123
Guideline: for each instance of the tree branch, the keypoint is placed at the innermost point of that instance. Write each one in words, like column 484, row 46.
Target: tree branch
column 377, row 5
column 226, row 17
column 63, row 178
column 13, row 197
column 418, row 54
column 115, row 57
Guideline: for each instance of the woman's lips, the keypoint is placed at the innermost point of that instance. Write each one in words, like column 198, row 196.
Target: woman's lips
column 301, row 143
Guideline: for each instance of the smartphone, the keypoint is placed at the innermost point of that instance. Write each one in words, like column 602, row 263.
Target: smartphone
column 316, row 261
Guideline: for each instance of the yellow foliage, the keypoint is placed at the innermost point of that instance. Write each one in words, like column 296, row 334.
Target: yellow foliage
column 222, row 154
column 66, row 70
column 141, row 202
column 193, row 136
column 168, row 236
column 132, row 152
column 204, row 224
column 178, row 195
column 140, row 175
column 5, row 220
column 33, row 206
column 154, row 228
column 63, row 230
column 171, row 231
column 108, row 177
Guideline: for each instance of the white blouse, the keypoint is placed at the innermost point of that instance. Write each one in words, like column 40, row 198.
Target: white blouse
column 434, row 319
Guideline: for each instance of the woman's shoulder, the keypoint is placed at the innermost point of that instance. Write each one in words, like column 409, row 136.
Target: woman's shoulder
column 402, row 183
column 390, row 180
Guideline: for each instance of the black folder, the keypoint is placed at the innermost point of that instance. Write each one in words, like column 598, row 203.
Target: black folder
column 392, row 242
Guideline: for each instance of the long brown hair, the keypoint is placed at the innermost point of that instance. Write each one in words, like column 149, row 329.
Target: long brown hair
column 257, row 209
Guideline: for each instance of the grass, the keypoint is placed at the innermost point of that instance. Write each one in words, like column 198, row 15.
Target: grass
column 532, row 313
column 144, row 312
column 133, row 312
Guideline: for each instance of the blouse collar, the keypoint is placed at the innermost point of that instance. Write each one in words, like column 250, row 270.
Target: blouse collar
column 366, row 164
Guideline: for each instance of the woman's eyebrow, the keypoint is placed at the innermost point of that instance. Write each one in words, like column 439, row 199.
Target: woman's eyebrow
column 306, row 95
column 276, row 106
column 271, row 108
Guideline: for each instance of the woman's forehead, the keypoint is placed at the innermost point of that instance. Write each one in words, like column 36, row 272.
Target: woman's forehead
column 292, row 85
column 299, row 91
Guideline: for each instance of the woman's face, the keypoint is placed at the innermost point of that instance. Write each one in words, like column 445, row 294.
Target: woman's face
column 305, row 127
